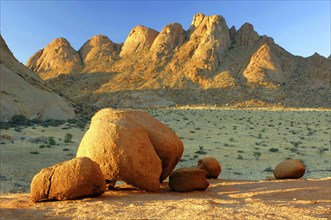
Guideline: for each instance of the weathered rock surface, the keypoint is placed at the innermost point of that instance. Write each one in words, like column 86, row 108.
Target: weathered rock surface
column 171, row 36
column 132, row 146
column 188, row 179
column 139, row 39
column 264, row 67
column 24, row 93
column 56, row 58
column 210, row 166
column 289, row 169
column 76, row 178
column 98, row 49
column 206, row 64
column 246, row 36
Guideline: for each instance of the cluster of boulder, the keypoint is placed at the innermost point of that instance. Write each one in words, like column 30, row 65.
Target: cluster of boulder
column 134, row 147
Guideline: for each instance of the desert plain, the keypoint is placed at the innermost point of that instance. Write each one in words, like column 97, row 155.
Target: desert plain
column 248, row 143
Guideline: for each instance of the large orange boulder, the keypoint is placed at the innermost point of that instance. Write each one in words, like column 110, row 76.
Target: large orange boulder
column 76, row 178
column 131, row 146
column 289, row 169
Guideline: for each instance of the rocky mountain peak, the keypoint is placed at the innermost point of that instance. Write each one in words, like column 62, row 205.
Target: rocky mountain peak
column 209, row 40
column 171, row 36
column 246, row 35
column 139, row 39
column 98, row 48
column 56, row 58
column 197, row 19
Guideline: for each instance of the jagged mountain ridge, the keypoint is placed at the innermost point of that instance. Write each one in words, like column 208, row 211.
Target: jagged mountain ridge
column 22, row 92
column 207, row 64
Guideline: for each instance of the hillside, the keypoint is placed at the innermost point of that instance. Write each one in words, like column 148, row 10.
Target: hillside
column 207, row 64
column 24, row 93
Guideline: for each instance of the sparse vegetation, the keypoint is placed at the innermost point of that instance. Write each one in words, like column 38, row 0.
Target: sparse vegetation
column 257, row 155
column 67, row 138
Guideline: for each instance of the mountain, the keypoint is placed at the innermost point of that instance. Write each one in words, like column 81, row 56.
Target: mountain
column 209, row 63
column 24, row 93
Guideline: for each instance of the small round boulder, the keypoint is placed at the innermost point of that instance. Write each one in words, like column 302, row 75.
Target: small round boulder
column 210, row 166
column 289, row 169
column 188, row 179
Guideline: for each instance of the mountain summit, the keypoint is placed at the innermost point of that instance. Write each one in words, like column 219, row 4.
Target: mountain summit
column 206, row 64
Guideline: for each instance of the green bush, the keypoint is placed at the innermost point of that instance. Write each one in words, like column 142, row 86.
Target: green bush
column 51, row 141
column 67, row 138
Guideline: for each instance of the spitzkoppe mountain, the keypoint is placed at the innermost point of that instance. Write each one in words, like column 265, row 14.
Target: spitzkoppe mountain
column 206, row 64
column 24, row 93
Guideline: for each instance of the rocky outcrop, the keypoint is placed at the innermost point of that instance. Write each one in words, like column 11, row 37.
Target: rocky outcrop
column 210, row 166
column 171, row 36
column 77, row 178
column 24, row 93
column 98, row 49
column 246, row 36
column 188, row 179
column 264, row 67
column 289, row 169
column 131, row 146
column 209, row 40
column 206, row 64
column 140, row 38
column 56, row 58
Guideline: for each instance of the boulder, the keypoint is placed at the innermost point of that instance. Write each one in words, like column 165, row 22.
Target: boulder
column 289, row 169
column 76, row 178
column 210, row 166
column 188, row 179
column 131, row 146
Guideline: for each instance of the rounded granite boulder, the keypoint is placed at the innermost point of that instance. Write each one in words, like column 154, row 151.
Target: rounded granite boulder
column 77, row 178
column 289, row 169
column 188, row 179
column 210, row 166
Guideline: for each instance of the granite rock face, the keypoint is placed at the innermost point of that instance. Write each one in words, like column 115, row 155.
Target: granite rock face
column 140, row 38
column 24, row 93
column 56, row 58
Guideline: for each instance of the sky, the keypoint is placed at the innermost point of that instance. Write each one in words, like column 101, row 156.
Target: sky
column 300, row 27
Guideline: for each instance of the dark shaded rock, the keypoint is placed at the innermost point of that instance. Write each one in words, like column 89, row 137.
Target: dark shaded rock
column 188, row 179
column 289, row 169
column 210, row 166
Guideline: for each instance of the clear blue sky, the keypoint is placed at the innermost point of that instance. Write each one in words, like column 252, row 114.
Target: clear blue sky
column 301, row 27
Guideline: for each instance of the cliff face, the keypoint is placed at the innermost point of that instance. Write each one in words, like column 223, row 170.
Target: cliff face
column 24, row 93
column 206, row 64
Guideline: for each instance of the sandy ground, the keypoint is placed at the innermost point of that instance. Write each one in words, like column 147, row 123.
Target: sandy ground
column 234, row 137
column 224, row 199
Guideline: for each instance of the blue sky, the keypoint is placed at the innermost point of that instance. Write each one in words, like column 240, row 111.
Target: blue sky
column 301, row 27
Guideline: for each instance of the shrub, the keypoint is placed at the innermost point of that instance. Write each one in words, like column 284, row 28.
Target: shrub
column 257, row 155
column 51, row 141
column 67, row 138
column 273, row 149
column 18, row 120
